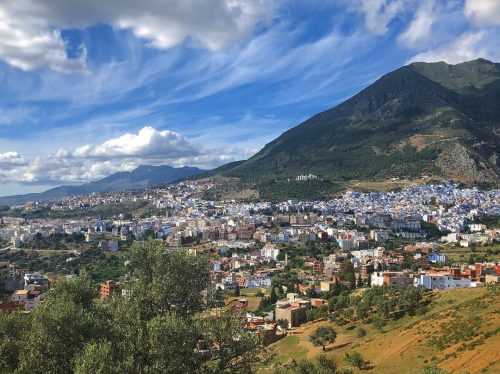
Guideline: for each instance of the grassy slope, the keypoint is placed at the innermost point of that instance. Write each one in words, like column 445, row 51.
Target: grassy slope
column 461, row 254
column 404, row 347
column 249, row 294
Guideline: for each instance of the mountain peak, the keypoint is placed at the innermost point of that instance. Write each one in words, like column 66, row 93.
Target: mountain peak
column 432, row 119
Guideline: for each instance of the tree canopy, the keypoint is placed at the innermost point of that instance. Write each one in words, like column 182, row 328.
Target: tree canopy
column 165, row 322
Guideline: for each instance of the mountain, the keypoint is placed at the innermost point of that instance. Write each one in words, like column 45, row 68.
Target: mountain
column 432, row 119
column 141, row 177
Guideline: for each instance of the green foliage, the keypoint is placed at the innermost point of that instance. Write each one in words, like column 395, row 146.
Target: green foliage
column 459, row 330
column 161, row 325
column 236, row 348
column 322, row 336
column 171, row 343
column 347, row 273
column 283, row 324
column 13, row 326
column 431, row 369
column 98, row 358
column 184, row 276
column 58, row 332
column 381, row 302
column 317, row 313
column 98, row 265
column 432, row 230
column 379, row 323
column 322, row 364
column 361, row 333
column 355, row 359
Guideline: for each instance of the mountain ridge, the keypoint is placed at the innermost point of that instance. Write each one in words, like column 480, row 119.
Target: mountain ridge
column 423, row 119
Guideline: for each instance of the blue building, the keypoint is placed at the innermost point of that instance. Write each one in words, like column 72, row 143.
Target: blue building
column 437, row 257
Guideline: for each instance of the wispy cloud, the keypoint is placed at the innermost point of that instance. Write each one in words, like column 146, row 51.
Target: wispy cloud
column 85, row 75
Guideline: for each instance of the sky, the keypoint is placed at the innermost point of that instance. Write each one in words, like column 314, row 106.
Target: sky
column 91, row 87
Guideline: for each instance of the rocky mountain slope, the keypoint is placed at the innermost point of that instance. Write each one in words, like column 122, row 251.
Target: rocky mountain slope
column 431, row 119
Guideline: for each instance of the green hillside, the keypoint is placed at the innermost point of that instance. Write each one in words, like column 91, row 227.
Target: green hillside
column 437, row 120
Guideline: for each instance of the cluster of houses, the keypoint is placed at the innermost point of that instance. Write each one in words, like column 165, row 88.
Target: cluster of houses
column 21, row 289
column 251, row 238
column 182, row 218
column 441, row 278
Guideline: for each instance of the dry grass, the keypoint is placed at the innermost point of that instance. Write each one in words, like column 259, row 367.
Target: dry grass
column 405, row 346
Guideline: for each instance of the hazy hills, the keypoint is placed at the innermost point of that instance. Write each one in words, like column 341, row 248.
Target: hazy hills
column 141, row 177
column 431, row 119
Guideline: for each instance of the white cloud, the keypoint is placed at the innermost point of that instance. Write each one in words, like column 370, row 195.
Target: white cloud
column 124, row 153
column 419, row 30
column 30, row 30
column 30, row 46
column 468, row 46
column 11, row 159
column 378, row 13
column 483, row 12
column 148, row 142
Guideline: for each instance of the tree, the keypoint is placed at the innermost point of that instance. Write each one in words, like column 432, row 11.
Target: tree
column 326, row 364
column 97, row 357
column 12, row 328
column 171, row 343
column 274, row 297
column 154, row 270
column 59, row 330
column 237, row 290
column 432, row 369
column 362, row 311
column 355, row 359
column 233, row 348
column 322, row 336
column 379, row 323
column 347, row 273
column 360, row 281
column 311, row 292
column 283, row 324
column 361, row 333
column 337, row 288
column 321, row 365
column 143, row 331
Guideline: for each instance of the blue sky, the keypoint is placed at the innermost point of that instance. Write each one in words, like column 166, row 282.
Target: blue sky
column 98, row 87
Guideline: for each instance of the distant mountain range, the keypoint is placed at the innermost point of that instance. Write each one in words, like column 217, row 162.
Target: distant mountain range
column 431, row 119
column 141, row 177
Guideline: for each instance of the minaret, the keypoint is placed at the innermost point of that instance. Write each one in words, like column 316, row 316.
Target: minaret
column 286, row 258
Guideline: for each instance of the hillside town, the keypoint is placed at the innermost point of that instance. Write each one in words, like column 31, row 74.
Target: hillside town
column 397, row 239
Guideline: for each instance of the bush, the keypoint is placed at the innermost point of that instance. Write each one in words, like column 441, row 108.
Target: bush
column 361, row 333
column 355, row 359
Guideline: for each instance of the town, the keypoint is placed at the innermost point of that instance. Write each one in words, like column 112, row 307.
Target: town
column 434, row 236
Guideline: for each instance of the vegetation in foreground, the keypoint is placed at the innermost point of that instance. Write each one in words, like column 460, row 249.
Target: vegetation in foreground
column 139, row 332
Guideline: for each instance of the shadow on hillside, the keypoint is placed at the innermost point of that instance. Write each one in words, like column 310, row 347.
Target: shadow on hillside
column 341, row 345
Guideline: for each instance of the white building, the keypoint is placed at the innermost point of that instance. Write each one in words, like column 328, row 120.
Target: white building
column 440, row 282
column 346, row 244
column 377, row 279
column 270, row 251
